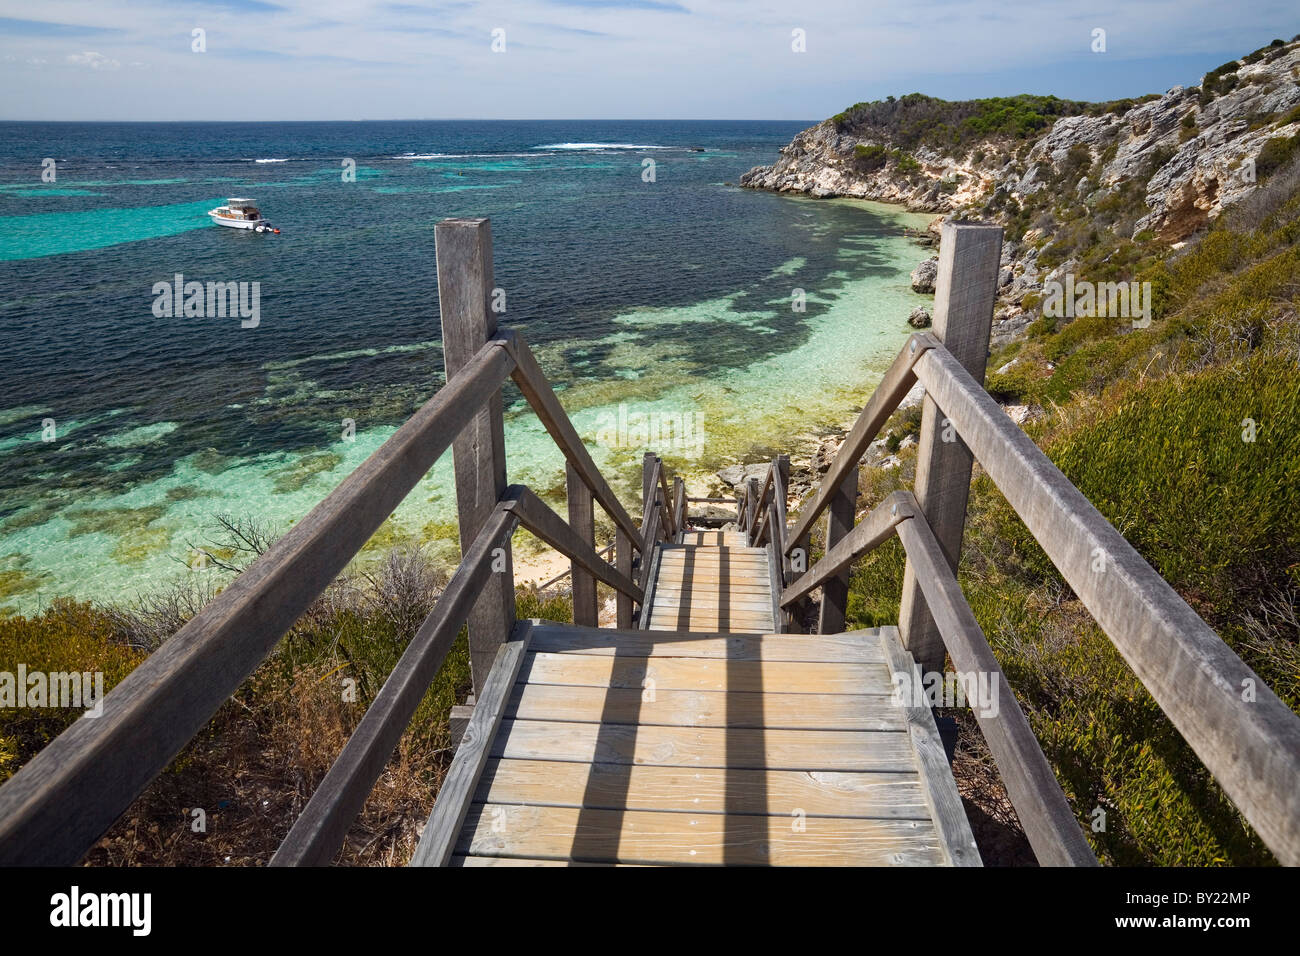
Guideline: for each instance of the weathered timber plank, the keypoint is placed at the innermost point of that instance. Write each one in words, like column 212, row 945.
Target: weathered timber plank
column 701, row 839
column 623, row 563
column 452, row 803
column 965, row 290
column 683, row 603
column 582, row 521
column 703, row 674
column 461, row 860
column 318, row 834
column 870, row 533
column 565, row 638
column 761, row 625
column 702, row 708
column 730, row 748
column 541, row 396
column 535, row 515
column 888, row 796
column 839, row 522
column 739, row 589
column 937, row 784
column 1048, row 820
column 463, row 252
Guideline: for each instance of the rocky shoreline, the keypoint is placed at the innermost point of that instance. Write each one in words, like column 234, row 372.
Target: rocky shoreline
column 1169, row 164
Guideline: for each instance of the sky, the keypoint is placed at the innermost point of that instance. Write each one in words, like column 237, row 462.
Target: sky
column 595, row 59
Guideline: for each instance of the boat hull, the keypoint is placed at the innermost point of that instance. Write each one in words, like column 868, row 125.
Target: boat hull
column 240, row 223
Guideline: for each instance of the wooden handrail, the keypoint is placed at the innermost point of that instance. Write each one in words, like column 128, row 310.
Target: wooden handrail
column 1195, row 678
column 537, row 390
column 457, row 791
column 868, row 535
column 534, row 515
column 56, row 806
column 1041, row 805
column 893, row 388
column 319, row 832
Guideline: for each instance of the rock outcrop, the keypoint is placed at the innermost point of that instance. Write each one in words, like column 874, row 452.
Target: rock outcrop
column 1192, row 150
column 923, row 276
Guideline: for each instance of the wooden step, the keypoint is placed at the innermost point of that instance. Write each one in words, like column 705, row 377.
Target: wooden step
column 592, row 670
column 830, row 648
column 887, row 796
column 729, row 539
column 632, row 836
column 648, row 748
column 730, row 748
column 698, row 708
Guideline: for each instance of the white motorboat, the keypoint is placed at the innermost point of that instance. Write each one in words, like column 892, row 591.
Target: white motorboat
column 241, row 214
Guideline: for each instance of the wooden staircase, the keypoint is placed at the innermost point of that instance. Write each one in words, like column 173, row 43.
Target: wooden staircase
column 697, row 731
column 682, row 747
column 713, row 583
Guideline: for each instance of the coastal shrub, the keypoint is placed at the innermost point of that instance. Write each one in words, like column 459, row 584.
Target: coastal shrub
column 261, row 756
column 531, row 603
column 1166, row 464
column 1275, row 153
column 918, row 120
column 868, row 157
column 1042, row 326
column 67, row 637
column 1199, row 471
column 1018, row 385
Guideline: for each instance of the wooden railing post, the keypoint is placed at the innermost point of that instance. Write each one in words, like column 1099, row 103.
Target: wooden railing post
column 969, row 258
column 582, row 519
column 776, row 542
column 463, row 248
column 623, row 561
column 751, row 508
column 648, row 486
column 839, row 522
column 679, row 506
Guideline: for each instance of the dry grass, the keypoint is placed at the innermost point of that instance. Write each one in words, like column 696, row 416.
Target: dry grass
column 253, row 769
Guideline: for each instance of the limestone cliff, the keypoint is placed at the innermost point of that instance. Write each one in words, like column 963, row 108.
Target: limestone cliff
column 1192, row 151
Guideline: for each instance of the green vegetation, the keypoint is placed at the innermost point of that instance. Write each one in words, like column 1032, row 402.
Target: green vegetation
column 918, row 120
column 1275, row 154
column 1186, row 436
column 870, row 157
column 268, row 747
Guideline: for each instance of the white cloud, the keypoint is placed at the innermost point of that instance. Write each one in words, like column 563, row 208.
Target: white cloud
column 96, row 61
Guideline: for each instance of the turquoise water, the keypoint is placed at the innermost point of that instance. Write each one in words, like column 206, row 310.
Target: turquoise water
column 58, row 233
column 661, row 311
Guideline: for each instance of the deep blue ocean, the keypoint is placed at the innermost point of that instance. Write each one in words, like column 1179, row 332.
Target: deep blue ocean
column 671, row 298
